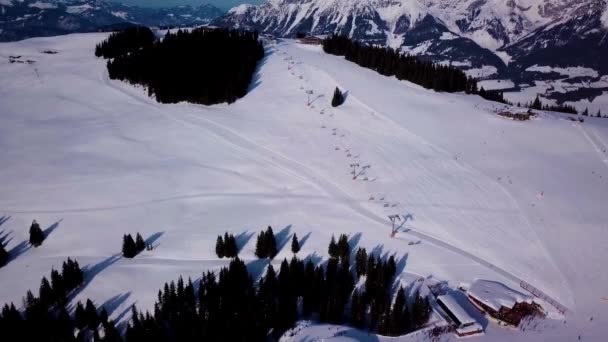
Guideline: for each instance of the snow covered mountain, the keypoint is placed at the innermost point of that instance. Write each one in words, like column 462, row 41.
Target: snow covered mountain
column 490, row 38
column 21, row 19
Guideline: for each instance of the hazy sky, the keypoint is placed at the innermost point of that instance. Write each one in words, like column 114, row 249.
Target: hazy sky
column 223, row 4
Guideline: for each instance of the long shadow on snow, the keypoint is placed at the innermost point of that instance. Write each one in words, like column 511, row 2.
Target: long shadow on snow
column 113, row 303
column 256, row 268
column 304, row 239
column 3, row 219
column 4, row 238
column 152, row 238
column 91, row 271
column 256, row 80
column 242, row 240
column 51, row 229
column 282, row 237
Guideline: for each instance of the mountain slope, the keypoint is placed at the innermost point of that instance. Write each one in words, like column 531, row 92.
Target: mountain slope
column 31, row 18
column 101, row 158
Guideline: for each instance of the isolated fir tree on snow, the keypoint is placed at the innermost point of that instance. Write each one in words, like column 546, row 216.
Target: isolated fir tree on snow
column 537, row 104
column 36, row 234
column 338, row 98
column 129, row 248
column 295, row 244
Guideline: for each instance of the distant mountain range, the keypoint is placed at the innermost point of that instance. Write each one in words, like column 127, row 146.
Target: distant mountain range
column 20, row 19
column 488, row 38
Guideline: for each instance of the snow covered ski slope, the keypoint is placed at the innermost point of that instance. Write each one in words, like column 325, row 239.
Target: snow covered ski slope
column 485, row 197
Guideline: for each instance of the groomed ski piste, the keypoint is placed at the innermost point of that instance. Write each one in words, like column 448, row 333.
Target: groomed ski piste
column 483, row 197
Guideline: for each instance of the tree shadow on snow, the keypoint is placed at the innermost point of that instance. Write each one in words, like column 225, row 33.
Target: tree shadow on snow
column 242, row 240
column 152, row 239
column 282, row 237
column 51, row 228
column 3, row 219
column 353, row 242
column 91, row 271
column 18, row 250
column 5, row 238
column 256, row 268
column 257, row 75
column 304, row 239
column 314, row 258
column 113, row 303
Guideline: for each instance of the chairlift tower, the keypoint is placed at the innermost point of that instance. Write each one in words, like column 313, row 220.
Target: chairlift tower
column 354, row 172
column 394, row 219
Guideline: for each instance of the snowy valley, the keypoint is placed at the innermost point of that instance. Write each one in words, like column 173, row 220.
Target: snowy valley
column 490, row 39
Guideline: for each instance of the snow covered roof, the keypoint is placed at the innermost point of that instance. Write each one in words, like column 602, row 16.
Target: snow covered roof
column 456, row 310
column 469, row 329
column 495, row 294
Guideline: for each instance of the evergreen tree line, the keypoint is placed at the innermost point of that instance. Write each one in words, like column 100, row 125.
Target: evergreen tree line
column 230, row 307
column 124, row 42
column 205, row 66
column 46, row 318
column 266, row 244
column 130, row 247
column 226, row 246
column 390, row 62
column 564, row 108
column 598, row 115
column 492, row 95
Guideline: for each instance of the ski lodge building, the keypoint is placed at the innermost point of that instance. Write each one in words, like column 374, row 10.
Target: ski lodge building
column 465, row 324
column 501, row 302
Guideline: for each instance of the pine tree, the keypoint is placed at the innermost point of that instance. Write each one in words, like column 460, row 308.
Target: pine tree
column 80, row 316
column 219, row 247
column 343, row 247
column 586, row 112
column 45, row 293
column 537, row 104
column 271, row 243
column 140, row 245
column 338, row 98
column 361, row 262
column 261, row 249
column 295, row 244
column 3, row 255
column 59, row 289
column 599, row 114
column 397, row 324
column 91, row 316
column 36, row 234
column 420, row 311
column 357, row 310
column 333, row 248
column 129, row 248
